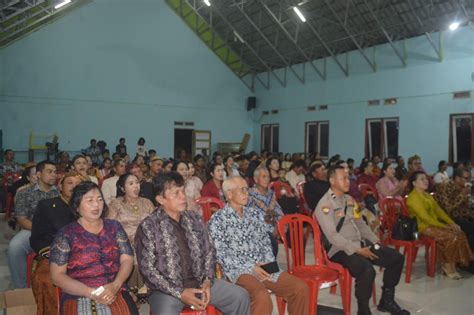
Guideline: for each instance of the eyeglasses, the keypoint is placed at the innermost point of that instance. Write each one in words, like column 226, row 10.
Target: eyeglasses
column 242, row 190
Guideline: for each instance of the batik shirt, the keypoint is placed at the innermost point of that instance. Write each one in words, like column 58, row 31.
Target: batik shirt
column 241, row 242
column 453, row 201
column 158, row 252
column 268, row 206
column 27, row 199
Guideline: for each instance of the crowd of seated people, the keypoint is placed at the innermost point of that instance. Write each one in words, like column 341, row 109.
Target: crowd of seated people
column 93, row 222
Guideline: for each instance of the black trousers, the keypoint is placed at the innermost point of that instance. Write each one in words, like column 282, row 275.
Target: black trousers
column 468, row 228
column 363, row 271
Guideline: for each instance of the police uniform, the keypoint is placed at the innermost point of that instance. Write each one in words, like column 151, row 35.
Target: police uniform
column 353, row 235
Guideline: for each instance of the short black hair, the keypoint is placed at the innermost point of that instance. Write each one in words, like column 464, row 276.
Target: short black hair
column 414, row 177
column 164, row 181
column 41, row 165
column 459, row 172
column 77, row 195
column 151, row 151
column 298, row 163
column 77, row 157
column 441, row 163
column 7, row 151
column 333, row 169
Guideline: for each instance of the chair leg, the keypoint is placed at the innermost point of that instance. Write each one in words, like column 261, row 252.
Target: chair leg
column 374, row 294
column 346, row 292
column 313, row 296
column 281, row 304
column 431, row 259
column 409, row 263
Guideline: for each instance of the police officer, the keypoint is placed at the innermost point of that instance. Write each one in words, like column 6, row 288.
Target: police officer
column 351, row 243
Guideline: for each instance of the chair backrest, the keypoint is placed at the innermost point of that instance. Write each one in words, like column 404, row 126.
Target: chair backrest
column 207, row 204
column 281, row 188
column 9, row 178
column 295, row 223
column 365, row 189
column 390, row 208
column 304, row 208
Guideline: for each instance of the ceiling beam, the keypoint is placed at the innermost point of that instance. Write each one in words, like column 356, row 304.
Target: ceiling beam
column 387, row 36
column 232, row 27
column 293, row 40
column 269, row 43
column 354, row 40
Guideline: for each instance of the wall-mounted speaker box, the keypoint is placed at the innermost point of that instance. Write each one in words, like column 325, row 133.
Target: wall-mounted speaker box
column 251, row 103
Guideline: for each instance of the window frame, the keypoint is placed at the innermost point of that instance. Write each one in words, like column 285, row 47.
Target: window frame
column 452, row 145
column 318, row 124
column 262, row 142
column 383, row 136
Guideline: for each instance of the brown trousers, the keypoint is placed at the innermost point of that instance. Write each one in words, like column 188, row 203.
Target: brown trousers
column 43, row 289
column 292, row 289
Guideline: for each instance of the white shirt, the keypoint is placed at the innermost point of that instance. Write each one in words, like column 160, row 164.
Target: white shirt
column 294, row 179
column 109, row 189
column 441, row 177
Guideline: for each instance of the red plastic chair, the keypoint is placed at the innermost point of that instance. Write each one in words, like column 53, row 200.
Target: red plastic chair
column 304, row 208
column 314, row 275
column 281, row 189
column 29, row 266
column 366, row 189
column 207, row 204
column 390, row 208
column 8, row 180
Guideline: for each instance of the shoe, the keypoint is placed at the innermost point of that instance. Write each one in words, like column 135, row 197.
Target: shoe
column 387, row 303
column 453, row 275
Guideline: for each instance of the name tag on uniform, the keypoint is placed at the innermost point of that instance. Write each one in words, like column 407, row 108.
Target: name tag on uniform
column 339, row 213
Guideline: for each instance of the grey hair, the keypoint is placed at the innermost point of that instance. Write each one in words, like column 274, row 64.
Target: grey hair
column 259, row 169
column 228, row 184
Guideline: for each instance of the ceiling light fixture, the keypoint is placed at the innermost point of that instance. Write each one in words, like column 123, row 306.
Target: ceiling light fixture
column 207, row 2
column 62, row 4
column 300, row 15
column 454, row 26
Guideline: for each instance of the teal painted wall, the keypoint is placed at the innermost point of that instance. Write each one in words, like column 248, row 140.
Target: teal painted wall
column 117, row 69
column 423, row 88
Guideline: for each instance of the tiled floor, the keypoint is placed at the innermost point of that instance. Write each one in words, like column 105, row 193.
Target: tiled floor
column 424, row 295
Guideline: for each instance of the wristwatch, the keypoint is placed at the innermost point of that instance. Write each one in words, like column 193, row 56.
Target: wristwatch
column 376, row 246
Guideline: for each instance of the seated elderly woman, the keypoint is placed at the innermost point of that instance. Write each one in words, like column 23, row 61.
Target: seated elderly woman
column 451, row 242
column 91, row 258
column 51, row 215
column 389, row 185
column 130, row 210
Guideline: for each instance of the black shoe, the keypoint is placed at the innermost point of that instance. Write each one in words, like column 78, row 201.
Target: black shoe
column 387, row 303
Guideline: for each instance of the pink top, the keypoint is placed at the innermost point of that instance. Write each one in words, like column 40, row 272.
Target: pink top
column 388, row 187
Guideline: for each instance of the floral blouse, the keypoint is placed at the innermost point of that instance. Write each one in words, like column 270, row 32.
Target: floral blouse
column 93, row 259
column 130, row 216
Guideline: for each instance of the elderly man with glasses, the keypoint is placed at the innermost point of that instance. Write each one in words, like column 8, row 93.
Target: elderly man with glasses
column 244, row 251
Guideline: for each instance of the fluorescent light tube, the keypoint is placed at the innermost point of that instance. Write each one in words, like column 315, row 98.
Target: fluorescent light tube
column 300, row 15
column 454, row 26
column 62, row 4
column 207, row 2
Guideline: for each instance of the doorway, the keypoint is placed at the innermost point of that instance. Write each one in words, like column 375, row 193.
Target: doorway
column 183, row 140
